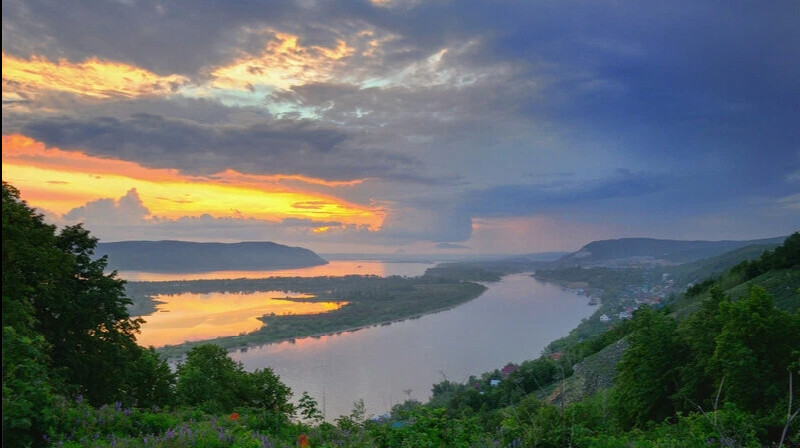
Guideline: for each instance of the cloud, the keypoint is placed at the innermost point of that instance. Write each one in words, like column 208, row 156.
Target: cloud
column 125, row 211
column 791, row 202
column 451, row 246
column 523, row 200
column 271, row 147
column 127, row 217
column 91, row 78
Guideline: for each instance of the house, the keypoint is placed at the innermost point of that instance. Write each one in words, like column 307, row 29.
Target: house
column 494, row 383
column 555, row 355
column 604, row 318
column 624, row 315
column 508, row 370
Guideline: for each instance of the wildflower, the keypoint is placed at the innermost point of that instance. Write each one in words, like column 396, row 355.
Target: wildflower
column 79, row 398
column 234, row 416
column 302, row 441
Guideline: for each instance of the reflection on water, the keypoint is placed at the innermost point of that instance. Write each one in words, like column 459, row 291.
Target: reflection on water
column 335, row 268
column 192, row 317
column 511, row 322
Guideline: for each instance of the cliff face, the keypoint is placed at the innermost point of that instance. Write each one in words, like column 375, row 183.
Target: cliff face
column 593, row 374
column 184, row 256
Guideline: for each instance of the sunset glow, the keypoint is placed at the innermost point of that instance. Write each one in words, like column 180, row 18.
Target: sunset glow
column 59, row 181
column 92, row 78
column 191, row 317
column 335, row 268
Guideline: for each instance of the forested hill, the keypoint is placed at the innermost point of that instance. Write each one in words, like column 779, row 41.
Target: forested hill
column 184, row 256
column 675, row 251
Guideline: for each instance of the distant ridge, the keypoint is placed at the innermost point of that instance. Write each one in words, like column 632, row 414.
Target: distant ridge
column 673, row 251
column 185, row 256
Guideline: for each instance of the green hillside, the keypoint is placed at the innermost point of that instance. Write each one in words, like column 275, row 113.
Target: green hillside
column 783, row 285
column 714, row 266
column 675, row 251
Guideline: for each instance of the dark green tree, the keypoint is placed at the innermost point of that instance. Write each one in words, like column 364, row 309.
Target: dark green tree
column 150, row 380
column 698, row 333
column 266, row 391
column 87, row 322
column 210, row 379
column 66, row 328
column 754, row 349
column 31, row 270
column 647, row 376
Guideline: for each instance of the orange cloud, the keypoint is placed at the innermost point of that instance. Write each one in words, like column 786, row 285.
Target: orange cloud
column 59, row 181
column 284, row 63
column 92, row 78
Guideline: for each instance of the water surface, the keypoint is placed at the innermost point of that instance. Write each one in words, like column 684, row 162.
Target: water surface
column 511, row 322
column 193, row 317
column 335, row 268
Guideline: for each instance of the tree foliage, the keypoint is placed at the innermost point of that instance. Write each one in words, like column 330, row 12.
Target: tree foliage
column 66, row 329
column 212, row 381
column 647, row 376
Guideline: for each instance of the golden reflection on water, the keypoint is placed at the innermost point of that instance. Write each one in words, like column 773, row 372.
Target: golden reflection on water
column 336, row 268
column 191, row 317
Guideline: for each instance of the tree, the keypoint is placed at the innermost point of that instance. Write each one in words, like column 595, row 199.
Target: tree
column 87, row 322
column 150, row 380
column 30, row 270
column 647, row 376
column 66, row 328
column 266, row 391
column 309, row 408
column 211, row 380
column 698, row 334
column 754, row 349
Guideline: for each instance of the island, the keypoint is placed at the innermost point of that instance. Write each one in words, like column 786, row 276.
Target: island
column 371, row 300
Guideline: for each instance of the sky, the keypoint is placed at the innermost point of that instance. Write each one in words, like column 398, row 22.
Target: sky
column 406, row 126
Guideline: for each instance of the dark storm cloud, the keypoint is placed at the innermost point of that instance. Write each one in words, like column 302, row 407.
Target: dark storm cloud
column 279, row 147
column 521, row 200
column 166, row 37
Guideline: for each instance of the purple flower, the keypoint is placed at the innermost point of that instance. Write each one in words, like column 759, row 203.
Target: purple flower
column 79, row 398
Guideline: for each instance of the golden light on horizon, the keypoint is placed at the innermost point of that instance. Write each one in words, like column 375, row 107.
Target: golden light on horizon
column 190, row 317
column 336, row 268
column 92, row 77
column 59, row 181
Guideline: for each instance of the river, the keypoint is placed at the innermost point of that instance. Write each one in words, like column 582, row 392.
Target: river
column 384, row 365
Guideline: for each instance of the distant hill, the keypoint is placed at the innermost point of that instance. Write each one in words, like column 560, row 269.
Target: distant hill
column 185, row 256
column 672, row 251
